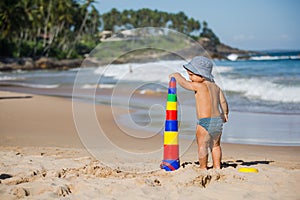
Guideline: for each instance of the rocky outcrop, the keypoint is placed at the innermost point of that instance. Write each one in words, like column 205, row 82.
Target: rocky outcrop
column 9, row 64
column 203, row 46
column 206, row 47
column 221, row 51
column 51, row 63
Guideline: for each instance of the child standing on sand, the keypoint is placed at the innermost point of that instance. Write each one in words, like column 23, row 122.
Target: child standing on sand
column 211, row 108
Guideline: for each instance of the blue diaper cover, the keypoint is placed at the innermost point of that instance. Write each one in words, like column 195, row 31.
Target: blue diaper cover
column 213, row 125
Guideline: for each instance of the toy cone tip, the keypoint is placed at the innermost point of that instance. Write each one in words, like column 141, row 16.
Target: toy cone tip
column 173, row 79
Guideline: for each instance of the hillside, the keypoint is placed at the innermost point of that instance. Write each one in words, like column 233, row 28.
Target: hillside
column 63, row 33
column 173, row 50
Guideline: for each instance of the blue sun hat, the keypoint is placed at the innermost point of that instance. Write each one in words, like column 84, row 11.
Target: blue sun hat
column 202, row 66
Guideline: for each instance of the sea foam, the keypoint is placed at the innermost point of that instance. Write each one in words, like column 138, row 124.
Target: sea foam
column 158, row 72
column 262, row 89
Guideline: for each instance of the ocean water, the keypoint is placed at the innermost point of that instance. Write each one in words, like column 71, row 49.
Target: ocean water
column 264, row 86
column 268, row 86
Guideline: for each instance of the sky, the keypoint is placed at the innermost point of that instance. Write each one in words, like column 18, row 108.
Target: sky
column 243, row 24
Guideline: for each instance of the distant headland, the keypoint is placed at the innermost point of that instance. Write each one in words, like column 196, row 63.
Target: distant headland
column 61, row 35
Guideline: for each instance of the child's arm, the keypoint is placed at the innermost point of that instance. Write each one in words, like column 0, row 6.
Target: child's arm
column 182, row 81
column 224, row 106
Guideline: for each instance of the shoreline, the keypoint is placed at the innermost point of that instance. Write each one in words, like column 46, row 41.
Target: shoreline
column 66, row 92
column 259, row 128
column 8, row 64
column 17, row 96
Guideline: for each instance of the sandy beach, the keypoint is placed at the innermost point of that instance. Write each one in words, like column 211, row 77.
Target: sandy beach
column 44, row 157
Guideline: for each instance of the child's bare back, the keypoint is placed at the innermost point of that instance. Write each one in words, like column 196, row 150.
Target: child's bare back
column 209, row 98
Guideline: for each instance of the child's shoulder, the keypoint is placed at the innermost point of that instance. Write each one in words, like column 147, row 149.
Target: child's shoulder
column 199, row 85
column 212, row 83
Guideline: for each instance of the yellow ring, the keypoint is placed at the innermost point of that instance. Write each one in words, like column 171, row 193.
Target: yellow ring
column 171, row 105
column 248, row 170
column 170, row 137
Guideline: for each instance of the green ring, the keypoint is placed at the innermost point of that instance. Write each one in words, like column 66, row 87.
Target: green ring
column 172, row 97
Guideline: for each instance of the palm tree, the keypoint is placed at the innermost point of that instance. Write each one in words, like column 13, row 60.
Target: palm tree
column 208, row 33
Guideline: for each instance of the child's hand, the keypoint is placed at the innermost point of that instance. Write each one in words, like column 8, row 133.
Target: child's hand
column 182, row 81
column 173, row 75
column 225, row 118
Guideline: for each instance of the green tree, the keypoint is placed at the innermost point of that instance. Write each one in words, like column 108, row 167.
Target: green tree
column 208, row 33
column 47, row 27
column 149, row 18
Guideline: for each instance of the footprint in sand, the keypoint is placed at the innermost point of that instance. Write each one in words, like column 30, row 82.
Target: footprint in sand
column 153, row 183
column 20, row 192
column 63, row 191
column 204, row 180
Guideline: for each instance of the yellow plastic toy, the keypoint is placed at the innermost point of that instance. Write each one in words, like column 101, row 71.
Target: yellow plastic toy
column 248, row 170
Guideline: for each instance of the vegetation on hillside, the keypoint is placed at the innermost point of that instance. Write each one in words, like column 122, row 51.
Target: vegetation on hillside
column 71, row 28
column 115, row 20
column 51, row 28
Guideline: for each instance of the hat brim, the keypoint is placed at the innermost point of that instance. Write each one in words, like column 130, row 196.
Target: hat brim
column 201, row 72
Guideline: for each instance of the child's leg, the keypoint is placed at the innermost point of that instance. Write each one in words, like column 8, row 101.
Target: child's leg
column 203, row 143
column 217, row 153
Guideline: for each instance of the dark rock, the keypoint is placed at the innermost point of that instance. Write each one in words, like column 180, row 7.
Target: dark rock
column 9, row 64
column 221, row 51
column 52, row 63
column 67, row 63
column 45, row 63
column 28, row 64
column 5, row 68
